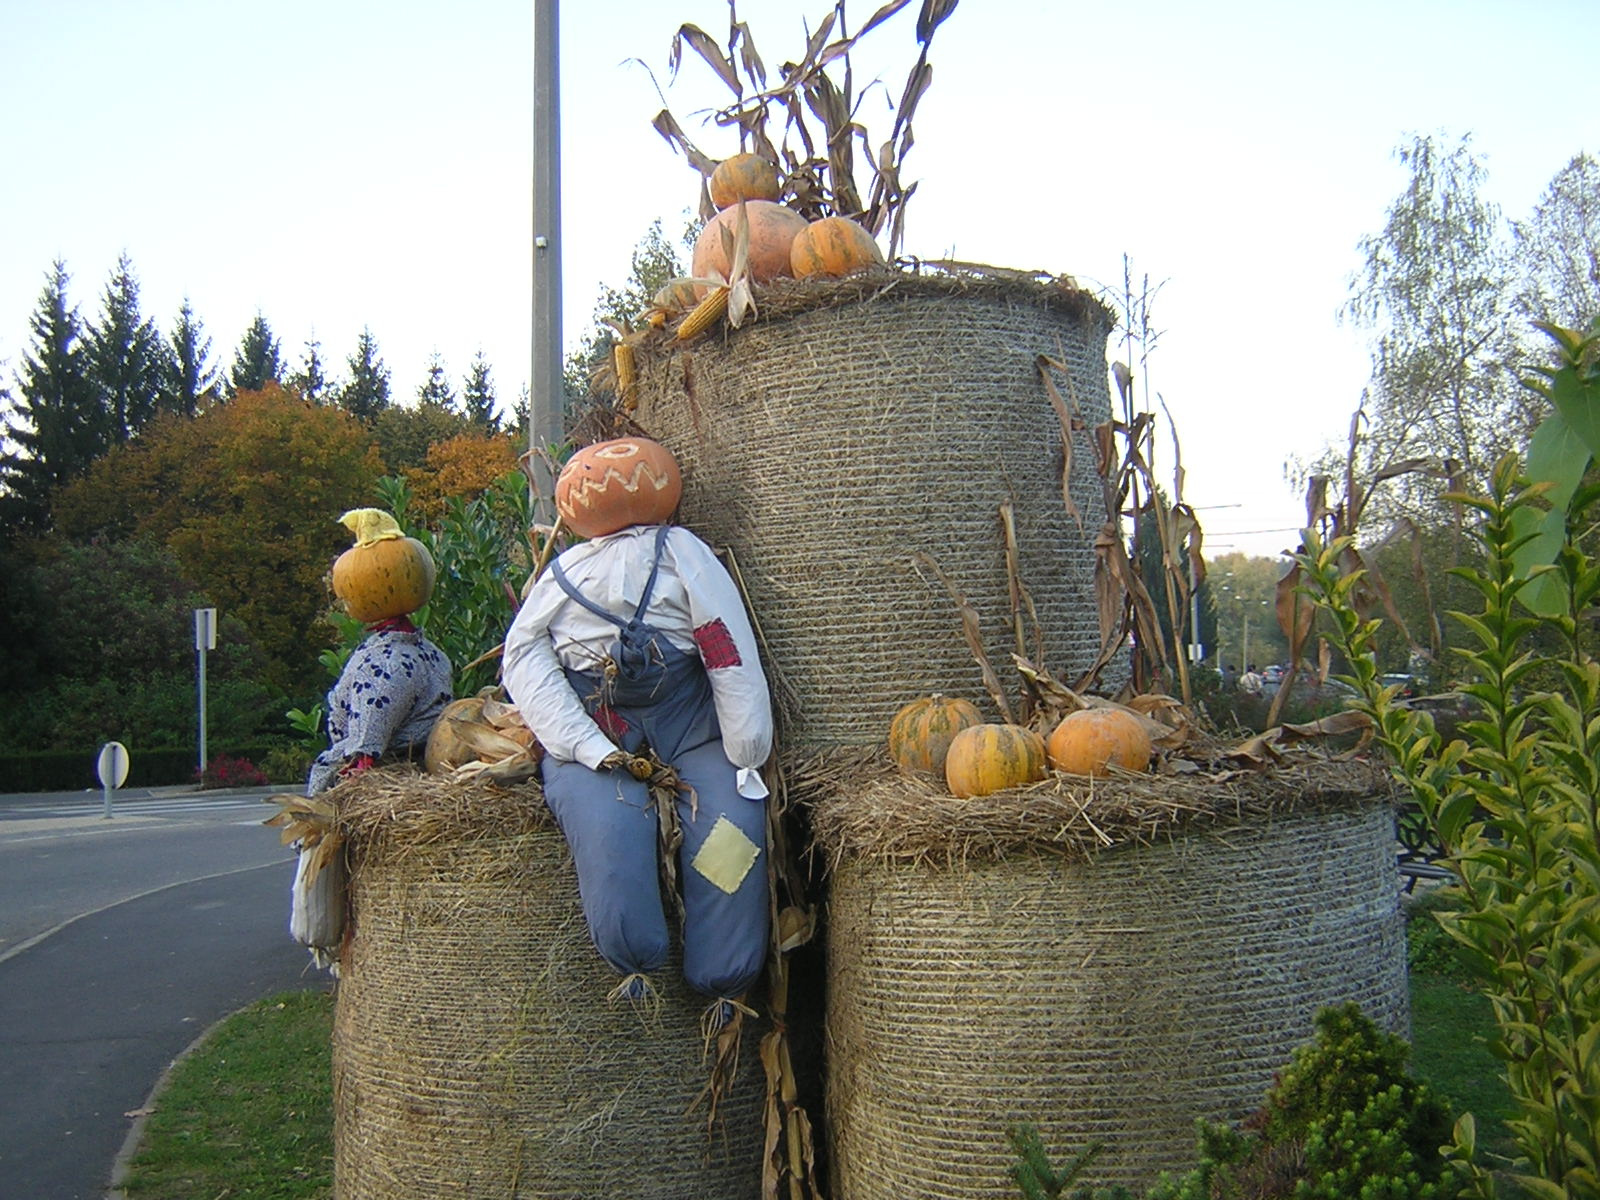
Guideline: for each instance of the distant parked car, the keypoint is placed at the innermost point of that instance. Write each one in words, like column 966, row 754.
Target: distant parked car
column 1272, row 674
column 1308, row 690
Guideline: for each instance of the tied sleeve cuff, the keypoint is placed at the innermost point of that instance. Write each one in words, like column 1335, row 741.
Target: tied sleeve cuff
column 750, row 784
column 592, row 752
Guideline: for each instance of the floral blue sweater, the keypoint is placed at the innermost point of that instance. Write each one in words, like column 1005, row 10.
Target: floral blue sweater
column 388, row 696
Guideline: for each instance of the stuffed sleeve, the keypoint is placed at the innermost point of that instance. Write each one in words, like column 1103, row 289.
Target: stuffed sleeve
column 727, row 645
column 366, row 707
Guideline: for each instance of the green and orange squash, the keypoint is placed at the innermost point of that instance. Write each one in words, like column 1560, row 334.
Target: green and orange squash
column 993, row 758
column 920, row 733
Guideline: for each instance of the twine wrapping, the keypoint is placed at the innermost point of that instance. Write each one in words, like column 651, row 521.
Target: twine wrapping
column 475, row 1053
column 1111, row 999
column 860, row 422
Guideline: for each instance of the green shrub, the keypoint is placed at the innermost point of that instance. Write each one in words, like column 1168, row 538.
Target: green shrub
column 1512, row 803
column 1345, row 1121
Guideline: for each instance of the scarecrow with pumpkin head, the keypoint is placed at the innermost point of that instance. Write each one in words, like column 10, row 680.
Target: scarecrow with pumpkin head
column 632, row 653
column 396, row 682
column 388, row 696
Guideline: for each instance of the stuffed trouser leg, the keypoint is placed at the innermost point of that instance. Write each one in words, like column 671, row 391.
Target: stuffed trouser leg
column 725, row 904
column 610, row 827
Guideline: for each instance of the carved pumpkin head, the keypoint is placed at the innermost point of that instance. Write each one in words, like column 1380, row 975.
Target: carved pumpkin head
column 611, row 485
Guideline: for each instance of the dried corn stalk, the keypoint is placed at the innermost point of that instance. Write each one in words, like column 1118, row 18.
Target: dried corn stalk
column 820, row 131
column 309, row 822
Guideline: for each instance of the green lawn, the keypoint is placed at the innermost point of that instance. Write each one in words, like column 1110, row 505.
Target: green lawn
column 249, row 1113
column 1451, row 1024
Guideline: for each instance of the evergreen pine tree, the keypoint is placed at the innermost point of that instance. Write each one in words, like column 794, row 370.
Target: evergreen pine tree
column 520, row 410
column 477, row 396
column 258, row 360
column 128, row 361
column 367, row 393
column 191, row 377
column 435, row 389
column 310, row 379
column 54, row 426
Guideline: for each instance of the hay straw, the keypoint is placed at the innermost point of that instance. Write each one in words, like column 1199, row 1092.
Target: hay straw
column 1114, row 1001
column 857, row 423
column 474, row 1051
column 862, row 807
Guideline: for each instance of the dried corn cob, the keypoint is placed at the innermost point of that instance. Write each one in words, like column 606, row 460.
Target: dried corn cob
column 707, row 313
column 627, row 377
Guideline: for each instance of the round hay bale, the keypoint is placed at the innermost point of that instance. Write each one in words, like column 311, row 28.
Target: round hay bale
column 1111, row 1000
column 475, row 1053
column 858, row 423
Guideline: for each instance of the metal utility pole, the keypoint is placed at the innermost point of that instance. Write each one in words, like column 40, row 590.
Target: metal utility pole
column 545, row 389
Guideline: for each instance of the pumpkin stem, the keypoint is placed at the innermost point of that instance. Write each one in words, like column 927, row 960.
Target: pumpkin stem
column 371, row 525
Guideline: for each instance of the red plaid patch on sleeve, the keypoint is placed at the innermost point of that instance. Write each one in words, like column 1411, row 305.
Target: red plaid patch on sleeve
column 717, row 648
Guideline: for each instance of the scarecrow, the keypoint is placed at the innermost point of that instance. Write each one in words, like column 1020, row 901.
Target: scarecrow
column 633, row 656
column 391, row 691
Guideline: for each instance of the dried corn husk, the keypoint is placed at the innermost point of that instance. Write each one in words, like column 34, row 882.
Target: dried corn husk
column 485, row 737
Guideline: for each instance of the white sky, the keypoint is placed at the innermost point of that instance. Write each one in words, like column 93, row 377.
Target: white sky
column 336, row 164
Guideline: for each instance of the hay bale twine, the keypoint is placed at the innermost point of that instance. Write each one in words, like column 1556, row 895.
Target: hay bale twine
column 474, row 1051
column 1109, row 1001
column 858, row 422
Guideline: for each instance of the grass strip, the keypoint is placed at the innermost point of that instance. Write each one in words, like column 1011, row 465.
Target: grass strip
column 248, row 1112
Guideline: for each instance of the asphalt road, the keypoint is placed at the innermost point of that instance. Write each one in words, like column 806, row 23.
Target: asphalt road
column 121, row 941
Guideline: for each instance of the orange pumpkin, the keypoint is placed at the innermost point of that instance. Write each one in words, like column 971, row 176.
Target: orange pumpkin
column 1090, row 740
column 833, row 247
column 772, row 231
column 744, row 177
column 991, row 758
column 385, row 574
column 610, row 485
column 921, row 732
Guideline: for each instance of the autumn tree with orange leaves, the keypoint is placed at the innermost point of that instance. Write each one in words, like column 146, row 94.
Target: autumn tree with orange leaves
column 245, row 497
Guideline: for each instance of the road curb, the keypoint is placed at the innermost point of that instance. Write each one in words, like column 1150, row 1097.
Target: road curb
column 121, row 1165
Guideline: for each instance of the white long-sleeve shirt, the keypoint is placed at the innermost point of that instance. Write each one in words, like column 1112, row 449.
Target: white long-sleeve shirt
column 694, row 604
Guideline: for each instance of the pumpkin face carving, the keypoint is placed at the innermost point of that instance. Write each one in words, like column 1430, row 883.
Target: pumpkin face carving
column 611, row 485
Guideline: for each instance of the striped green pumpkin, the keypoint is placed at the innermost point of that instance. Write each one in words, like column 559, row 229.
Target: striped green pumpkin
column 921, row 732
column 991, row 758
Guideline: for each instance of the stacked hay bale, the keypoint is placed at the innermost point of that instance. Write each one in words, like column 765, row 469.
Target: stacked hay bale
column 1106, row 964
column 475, row 1053
column 861, row 422
column 852, row 447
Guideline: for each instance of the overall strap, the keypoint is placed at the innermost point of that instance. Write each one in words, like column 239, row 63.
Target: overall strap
column 655, row 569
column 572, row 592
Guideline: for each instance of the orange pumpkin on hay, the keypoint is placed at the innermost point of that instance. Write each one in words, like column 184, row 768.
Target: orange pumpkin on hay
column 833, row 247
column 743, row 177
column 1091, row 740
column 992, row 758
column 773, row 229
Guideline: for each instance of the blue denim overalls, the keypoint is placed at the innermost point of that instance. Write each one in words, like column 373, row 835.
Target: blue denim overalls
column 650, row 691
